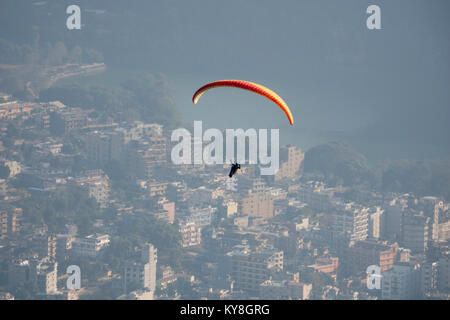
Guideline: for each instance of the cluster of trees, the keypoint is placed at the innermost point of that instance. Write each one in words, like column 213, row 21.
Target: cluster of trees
column 134, row 231
column 319, row 280
column 147, row 98
column 4, row 171
column 338, row 163
column 12, row 53
column 422, row 178
column 24, row 75
column 45, row 55
column 12, row 132
column 58, row 208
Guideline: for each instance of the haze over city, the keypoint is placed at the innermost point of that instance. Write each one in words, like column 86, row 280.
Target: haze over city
column 90, row 102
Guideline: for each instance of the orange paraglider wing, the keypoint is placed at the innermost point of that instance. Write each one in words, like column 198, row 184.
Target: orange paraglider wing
column 246, row 85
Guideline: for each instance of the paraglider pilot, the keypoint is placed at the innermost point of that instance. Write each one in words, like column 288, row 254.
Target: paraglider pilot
column 234, row 167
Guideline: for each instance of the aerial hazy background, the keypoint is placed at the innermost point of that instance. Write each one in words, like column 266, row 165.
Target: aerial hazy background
column 386, row 92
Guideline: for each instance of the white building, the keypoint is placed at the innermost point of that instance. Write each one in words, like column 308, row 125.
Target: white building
column 377, row 224
column 97, row 184
column 191, row 234
column 47, row 278
column 351, row 221
column 202, row 217
column 90, row 246
column 14, row 167
column 143, row 272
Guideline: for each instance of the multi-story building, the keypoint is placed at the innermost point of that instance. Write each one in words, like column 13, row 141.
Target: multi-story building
column 284, row 290
column 394, row 215
column 291, row 159
column 3, row 223
column 140, row 294
column 429, row 205
column 166, row 275
column 362, row 254
column 257, row 205
column 191, row 234
column 63, row 246
column 42, row 116
column 245, row 183
column 97, row 184
column 144, row 271
column 15, row 217
column 443, row 282
column 43, row 272
column 18, row 272
column 156, row 189
column 402, row 282
column 45, row 246
column 46, row 274
column 6, row 296
column 328, row 265
column 146, row 153
column 377, row 223
column 90, row 246
column 429, row 277
column 165, row 211
column 153, row 129
column 415, row 232
column 200, row 195
column 350, row 222
column 10, row 220
column 14, row 109
column 103, row 147
column 69, row 119
column 139, row 130
column 231, row 207
column 14, row 167
column 202, row 217
column 250, row 269
column 316, row 196
column 441, row 222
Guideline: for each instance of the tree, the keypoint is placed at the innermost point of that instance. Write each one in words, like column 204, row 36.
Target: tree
column 145, row 228
column 339, row 163
column 75, row 55
column 26, row 291
column 92, row 55
column 71, row 204
column 185, row 288
column 57, row 127
column 146, row 97
column 4, row 171
column 59, row 53
column 154, row 99
column 13, row 131
column 422, row 178
column 115, row 170
column 26, row 180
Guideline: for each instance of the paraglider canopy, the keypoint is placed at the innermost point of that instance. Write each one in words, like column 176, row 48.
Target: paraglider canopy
column 250, row 86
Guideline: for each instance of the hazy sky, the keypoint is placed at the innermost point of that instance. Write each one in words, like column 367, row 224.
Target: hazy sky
column 341, row 80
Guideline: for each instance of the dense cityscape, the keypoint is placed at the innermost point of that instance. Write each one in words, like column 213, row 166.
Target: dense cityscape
column 94, row 207
column 105, row 196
